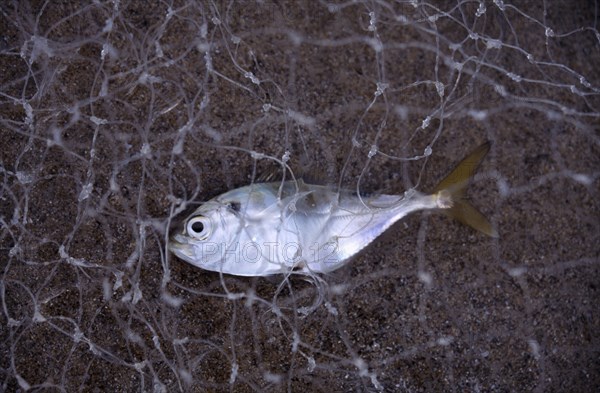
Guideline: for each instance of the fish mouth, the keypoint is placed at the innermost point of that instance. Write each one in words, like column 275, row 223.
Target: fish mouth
column 181, row 248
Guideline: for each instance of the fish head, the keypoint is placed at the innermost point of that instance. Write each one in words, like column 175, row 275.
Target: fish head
column 235, row 233
column 200, row 238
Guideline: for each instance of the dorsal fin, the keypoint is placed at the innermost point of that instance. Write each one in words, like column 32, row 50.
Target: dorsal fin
column 314, row 176
column 271, row 175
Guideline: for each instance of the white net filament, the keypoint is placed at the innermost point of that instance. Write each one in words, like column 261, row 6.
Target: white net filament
column 117, row 117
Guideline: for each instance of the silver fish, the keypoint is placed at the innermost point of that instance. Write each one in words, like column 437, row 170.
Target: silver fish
column 281, row 227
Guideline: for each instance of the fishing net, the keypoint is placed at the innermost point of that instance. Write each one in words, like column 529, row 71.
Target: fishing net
column 118, row 117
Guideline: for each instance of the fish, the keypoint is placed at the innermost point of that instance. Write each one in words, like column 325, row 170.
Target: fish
column 285, row 227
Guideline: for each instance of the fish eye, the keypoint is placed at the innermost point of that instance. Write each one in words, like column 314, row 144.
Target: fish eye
column 198, row 227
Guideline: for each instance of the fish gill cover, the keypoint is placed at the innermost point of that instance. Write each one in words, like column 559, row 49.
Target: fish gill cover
column 118, row 117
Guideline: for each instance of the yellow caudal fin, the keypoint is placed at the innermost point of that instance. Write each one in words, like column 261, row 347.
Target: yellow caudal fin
column 450, row 193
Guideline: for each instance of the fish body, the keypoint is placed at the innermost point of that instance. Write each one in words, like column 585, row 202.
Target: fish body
column 279, row 227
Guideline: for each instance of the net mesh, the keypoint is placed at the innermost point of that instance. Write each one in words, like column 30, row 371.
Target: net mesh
column 119, row 116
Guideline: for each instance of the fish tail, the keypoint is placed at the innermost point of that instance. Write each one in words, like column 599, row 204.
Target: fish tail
column 450, row 193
